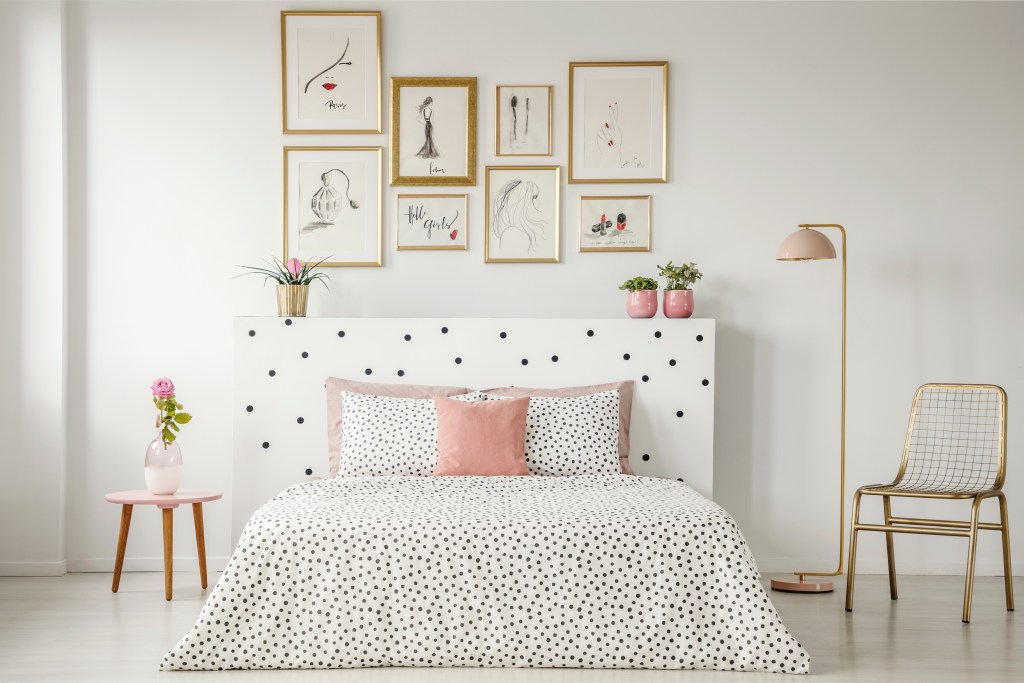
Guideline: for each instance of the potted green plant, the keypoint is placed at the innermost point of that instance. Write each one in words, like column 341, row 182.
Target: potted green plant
column 678, row 295
column 293, row 279
column 641, row 297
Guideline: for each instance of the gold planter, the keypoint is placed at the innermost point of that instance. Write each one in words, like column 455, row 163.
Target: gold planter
column 291, row 300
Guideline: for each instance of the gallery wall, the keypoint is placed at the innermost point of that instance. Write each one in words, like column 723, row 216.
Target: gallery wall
column 900, row 121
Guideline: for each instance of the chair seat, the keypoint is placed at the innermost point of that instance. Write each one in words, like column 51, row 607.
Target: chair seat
column 920, row 491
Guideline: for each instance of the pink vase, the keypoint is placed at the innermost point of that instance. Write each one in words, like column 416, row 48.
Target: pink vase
column 642, row 304
column 678, row 303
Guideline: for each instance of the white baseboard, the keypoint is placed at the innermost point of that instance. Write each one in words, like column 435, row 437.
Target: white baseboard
column 145, row 564
column 33, row 568
column 946, row 568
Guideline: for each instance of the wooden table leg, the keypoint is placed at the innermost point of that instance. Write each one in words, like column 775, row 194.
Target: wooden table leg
column 168, row 550
column 122, row 543
column 197, row 517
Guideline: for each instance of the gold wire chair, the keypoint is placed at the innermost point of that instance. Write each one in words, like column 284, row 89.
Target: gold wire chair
column 955, row 450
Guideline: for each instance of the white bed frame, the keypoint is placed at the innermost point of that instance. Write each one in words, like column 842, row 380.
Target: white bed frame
column 281, row 363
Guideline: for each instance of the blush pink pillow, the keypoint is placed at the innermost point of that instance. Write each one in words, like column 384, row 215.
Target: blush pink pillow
column 481, row 438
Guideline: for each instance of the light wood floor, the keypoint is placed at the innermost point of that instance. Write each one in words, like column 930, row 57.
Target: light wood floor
column 73, row 628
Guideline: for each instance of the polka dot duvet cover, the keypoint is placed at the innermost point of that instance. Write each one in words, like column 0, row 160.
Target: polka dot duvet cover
column 597, row 571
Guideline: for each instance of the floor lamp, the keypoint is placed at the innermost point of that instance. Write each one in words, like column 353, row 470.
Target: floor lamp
column 807, row 244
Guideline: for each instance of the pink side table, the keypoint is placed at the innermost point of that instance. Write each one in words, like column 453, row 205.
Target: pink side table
column 128, row 499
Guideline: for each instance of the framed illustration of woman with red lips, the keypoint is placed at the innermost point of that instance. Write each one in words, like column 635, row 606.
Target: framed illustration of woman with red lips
column 330, row 72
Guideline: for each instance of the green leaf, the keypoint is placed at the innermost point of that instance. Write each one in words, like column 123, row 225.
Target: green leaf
column 173, row 426
column 160, row 403
column 168, row 435
column 183, row 418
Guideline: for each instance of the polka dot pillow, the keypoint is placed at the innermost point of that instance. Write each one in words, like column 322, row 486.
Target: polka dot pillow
column 387, row 436
column 569, row 435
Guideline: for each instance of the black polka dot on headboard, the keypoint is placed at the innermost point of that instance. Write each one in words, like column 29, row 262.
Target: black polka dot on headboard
column 525, row 361
column 458, row 360
column 300, row 420
column 309, row 471
column 657, row 335
column 646, row 457
column 368, row 371
column 554, row 359
column 272, row 373
column 341, row 333
column 444, row 330
column 590, row 333
column 503, row 335
column 679, row 413
column 248, row 409
column 645, row 378
column 700, row 337
column 287, row 321
column 401, row 373
column 305, row 354
column 625, row 356
column 672, row 362
column 252, row 333
column 266, row 444
column 408, row 337
column 705, row 382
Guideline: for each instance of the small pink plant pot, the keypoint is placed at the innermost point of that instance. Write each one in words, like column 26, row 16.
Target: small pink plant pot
column 678, row 303
column 642, row 304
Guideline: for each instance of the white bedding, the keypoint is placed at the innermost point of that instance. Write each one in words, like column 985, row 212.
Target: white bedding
column 602, row 571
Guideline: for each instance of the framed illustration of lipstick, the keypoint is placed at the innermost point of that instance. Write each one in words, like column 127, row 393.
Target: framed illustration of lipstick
column 617, row 223
column 330, row 72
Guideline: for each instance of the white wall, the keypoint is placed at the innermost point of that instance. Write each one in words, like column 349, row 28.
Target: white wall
column 901, row 121
column 31, row 290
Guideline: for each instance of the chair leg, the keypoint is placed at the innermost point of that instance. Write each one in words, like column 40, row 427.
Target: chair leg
column 851, row 569
column 890, row 550
column 971, row 552
column 1004, row 521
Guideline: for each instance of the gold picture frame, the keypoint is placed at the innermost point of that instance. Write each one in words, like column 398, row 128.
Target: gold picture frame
column 621, row 140
column 522, row 220
column 508, row 135
column 439, row 222
column 363, row 91
column 442, row 126
column 620, row 232
column 324, row 221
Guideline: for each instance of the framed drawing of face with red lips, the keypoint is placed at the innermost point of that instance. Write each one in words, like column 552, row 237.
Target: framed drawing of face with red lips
column 331, row 80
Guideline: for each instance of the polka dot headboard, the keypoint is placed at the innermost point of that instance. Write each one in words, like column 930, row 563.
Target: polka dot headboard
column 281, row 364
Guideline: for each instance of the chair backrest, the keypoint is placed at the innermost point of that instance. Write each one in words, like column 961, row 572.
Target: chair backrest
column 956, row 441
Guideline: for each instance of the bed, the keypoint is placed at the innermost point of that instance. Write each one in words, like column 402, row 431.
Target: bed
column 599, row 571
column 581, row 564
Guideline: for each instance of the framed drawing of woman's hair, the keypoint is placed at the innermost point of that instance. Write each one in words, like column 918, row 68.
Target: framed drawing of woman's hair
column 615, row 223
column 618, row 122
column 332, row 205
column 432, row 222
column 522, row 121
column 522, row 205
column 433, row 131
column 330, row 72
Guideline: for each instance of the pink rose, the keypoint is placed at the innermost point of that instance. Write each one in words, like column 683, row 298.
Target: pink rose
column 294, row 267
column 163, row 387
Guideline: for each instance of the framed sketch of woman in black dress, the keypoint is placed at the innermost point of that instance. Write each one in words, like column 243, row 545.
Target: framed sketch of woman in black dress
column 433, row 131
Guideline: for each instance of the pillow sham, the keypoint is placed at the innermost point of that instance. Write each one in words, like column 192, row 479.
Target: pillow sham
column 569, row 435
column 385, row 436
column 625, row 407
column 335, row 425
column 481, row 438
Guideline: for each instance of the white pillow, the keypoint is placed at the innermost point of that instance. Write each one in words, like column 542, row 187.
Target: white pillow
column 387, row 436
column 569, row 435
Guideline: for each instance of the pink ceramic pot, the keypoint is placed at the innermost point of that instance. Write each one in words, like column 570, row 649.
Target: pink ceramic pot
column 642, row 304
column 678, row 303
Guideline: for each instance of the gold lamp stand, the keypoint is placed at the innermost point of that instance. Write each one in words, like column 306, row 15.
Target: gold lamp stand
column 807, row 244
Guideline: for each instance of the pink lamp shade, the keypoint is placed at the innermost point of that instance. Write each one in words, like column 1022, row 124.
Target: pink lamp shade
column 805, row 245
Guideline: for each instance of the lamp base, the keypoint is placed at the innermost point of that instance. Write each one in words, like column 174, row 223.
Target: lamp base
column 798, row 585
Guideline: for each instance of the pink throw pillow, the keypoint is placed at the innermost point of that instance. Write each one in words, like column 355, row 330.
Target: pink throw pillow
column 481, row 438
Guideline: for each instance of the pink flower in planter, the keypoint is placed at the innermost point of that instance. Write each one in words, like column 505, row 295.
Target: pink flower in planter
column 294, row 267
column 163, row 387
